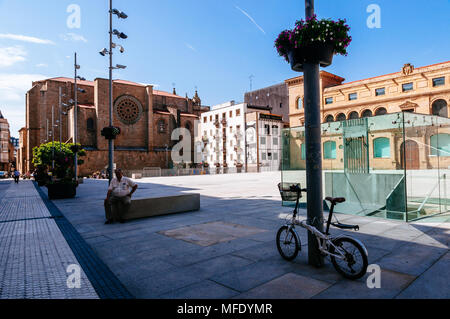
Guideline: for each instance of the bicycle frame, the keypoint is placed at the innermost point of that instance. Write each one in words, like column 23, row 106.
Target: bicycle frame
column 324, row 240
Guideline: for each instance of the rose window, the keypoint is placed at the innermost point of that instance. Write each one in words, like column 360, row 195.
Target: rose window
column 128, row 109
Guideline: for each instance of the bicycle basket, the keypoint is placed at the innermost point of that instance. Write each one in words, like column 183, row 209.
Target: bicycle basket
column 286, row 194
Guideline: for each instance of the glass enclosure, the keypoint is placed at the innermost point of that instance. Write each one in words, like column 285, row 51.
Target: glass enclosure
column 394, row 166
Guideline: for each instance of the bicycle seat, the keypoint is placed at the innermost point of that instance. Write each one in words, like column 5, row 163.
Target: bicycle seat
column 345, row 226
column 335, row 200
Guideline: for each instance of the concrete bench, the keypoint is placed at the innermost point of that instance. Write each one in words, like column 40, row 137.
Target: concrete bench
column 157, row 206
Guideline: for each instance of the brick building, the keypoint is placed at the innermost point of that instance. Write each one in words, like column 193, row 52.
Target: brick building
column 6, row 146
column 146, row 117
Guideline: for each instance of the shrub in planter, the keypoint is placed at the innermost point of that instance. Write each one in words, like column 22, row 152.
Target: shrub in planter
column 59, row 160
column 313, row 41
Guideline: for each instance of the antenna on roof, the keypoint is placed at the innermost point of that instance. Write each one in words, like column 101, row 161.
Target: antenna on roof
column 251, row 77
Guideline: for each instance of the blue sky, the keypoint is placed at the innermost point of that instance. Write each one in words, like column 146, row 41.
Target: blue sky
column 214, row 45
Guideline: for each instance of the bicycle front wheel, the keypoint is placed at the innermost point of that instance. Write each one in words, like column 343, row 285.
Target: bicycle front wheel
column 287, row 243
column 354, row 263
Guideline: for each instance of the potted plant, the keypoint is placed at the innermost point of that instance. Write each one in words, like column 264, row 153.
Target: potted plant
column 313, row 41
column 58, row 159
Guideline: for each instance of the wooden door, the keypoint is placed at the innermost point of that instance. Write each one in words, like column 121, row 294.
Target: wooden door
column 412, row 155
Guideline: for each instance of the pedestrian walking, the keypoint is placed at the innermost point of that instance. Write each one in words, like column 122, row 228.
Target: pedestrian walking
column 118, row 199
column 16, row 176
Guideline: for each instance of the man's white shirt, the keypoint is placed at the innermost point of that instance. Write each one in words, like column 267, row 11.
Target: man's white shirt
column 122, row 188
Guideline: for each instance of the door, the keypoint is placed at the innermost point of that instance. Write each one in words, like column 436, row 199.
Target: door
column 411, row 156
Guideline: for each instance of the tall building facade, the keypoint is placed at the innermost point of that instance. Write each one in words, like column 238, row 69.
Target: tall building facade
column 241, row 135
column 6, row 146
column 146, row 117
column 424, row 90
column 275, row 98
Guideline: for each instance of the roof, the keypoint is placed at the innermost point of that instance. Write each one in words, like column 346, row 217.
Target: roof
column 91, row 83
column 163, row 93
column 1, row 115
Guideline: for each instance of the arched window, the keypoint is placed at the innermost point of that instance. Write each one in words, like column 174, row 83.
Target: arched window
column 367, row 113
column 380, row 111
column 303, row 152
column 161, row 126
column 329, row 150
column 299, row 103
column 440, row 145
column 341, row 117
column 381, row 148
column 353, row 115
column 329, row 119
column 439, row 108
column 90, row 124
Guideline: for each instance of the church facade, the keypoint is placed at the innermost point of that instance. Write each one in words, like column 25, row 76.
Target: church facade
column 146, row 117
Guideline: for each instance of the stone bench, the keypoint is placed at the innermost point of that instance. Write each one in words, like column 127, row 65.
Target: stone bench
column 158, row 206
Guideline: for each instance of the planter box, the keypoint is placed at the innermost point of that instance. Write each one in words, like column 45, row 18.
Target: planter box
column 321, row 53
column 61, row 190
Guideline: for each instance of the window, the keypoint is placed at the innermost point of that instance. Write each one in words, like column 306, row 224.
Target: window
column 440, row 145
column 263, row 141
column 275, row 141
column 407, row 87
column 231, row 129
column 281, row 105
column 303, row 152
column 353, row 115
column 267, row 129
column 352, row 96
column 381, row 148
column 380, row 91
column 205, row 119
column 329, row 150
column 224, row 115
column 341, row 117
column 161, row 126
column 299, row 103
column 274, row 129
column 329, row 119
column 90, row 124
column 380, row 111
column 275, row 156
column 329, row 100
column 238, row 112
column 439, row 108
column 264, row 157
column 367, row 113
column 231, row 114
column 210, row 118
column 438, row 81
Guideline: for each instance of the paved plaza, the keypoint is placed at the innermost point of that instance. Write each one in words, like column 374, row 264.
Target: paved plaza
column 225, row 250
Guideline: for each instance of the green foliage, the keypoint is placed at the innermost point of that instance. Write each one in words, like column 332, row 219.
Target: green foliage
column 62, row 155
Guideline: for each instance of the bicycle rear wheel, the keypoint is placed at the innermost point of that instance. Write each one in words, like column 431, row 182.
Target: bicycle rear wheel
column 287, row 243
column 354, row 264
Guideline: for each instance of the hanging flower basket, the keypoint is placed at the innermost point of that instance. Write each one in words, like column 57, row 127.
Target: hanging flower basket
column 313, row 41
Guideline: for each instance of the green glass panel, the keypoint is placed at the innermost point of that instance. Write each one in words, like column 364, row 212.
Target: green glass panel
column 381, row 147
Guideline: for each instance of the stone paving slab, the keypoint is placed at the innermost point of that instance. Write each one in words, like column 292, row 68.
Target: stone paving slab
column 434, row 283
column 288, row 286
column 211, row 233
column 392, row 283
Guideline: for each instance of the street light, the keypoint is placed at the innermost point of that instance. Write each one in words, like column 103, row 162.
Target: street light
column 75, row 111
column 104, row 52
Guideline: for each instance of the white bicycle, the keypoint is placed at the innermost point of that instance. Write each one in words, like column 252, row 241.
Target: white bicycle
column 348, row 255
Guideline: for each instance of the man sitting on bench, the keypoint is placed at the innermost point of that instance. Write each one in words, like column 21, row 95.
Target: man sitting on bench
column 118, row 199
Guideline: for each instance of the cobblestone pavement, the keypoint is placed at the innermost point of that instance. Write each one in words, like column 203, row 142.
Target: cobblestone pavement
column 34, row 255
column 216, row 252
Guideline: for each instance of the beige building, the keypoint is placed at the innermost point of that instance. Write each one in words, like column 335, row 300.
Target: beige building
column 6, row 147
column 424, row 90
column 380, row 142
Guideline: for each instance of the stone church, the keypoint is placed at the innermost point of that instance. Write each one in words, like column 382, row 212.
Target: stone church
column 146, row 117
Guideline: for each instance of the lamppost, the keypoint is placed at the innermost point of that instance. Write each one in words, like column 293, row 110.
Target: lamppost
column 75, row 113
column 120, row 35
column 314, row 201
